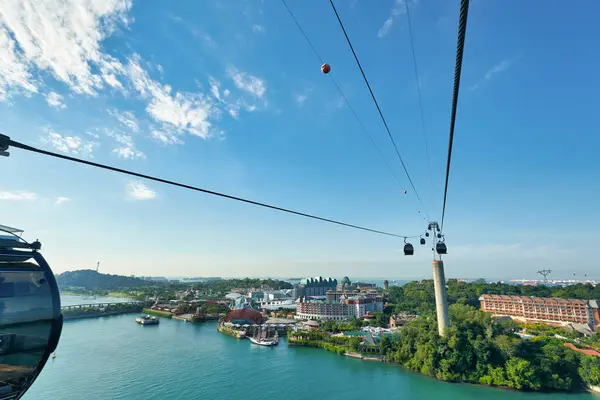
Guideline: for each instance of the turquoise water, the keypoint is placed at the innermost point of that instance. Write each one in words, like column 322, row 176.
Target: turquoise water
column 115, row 358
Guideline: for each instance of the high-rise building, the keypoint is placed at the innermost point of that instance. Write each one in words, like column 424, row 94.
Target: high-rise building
column 386, row 284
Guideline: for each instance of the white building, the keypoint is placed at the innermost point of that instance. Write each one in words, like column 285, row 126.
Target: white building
column 337, row 310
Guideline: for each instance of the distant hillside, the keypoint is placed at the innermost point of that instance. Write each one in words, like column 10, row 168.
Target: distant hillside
column 92, row 280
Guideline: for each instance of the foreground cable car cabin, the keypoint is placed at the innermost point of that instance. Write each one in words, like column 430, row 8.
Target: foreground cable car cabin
column 30, row 315
column 409, row 250
column 441, row 248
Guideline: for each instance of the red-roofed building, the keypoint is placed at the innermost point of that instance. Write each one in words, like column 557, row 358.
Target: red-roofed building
column 542, row 308
column 244, row 316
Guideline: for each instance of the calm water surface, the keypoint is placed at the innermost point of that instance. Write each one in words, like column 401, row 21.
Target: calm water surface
column 115, row 358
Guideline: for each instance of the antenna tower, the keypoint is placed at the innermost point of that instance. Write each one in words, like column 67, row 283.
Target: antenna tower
column 545, row 273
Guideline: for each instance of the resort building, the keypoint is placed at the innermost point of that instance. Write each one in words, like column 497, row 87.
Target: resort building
column 543, row 309
column 337, row 306
column 318, row 286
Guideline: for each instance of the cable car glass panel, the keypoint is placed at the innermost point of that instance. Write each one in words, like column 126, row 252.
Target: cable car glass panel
column 30, row 319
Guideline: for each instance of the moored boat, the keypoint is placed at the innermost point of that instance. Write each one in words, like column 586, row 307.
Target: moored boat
column 147, row 320
column 263, row 340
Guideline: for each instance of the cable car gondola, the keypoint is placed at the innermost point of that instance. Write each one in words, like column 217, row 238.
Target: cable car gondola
column 441, row 248
column 422, row 241
column 30, row 315
column 409, row 250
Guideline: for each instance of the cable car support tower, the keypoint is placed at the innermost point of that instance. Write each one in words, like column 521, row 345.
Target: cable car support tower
column 438, row 247
column 439, row 279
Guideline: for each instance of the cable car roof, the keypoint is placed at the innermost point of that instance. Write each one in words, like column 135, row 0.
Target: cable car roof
column 10, row 230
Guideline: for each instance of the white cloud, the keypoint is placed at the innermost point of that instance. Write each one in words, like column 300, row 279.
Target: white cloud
column 258, row 29
column 234, row 112
column 69, row 144
column 18, row 196
column 206, row 38
column 125, row 145
column 249, row 83
column 14, row 73
column 54, row 100
column 398, row 9
column 126, row 119
column 300, row 99
column 498, row 68
column 138, row 191
column 214, row 88
column 61, row 38
column 233, row 106
column 60, row 200
column 93, row 134
column 385, row 28
column 165, row 138
column 183, row 111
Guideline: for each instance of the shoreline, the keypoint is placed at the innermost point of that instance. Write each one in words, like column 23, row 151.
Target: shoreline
column 369, row 358
column 157, row 313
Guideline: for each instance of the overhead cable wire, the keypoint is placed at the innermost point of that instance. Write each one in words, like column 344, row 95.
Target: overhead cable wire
column 462, row 31
column 339, row 89
column 195, row 188
column 377, row 105
column 418, row 82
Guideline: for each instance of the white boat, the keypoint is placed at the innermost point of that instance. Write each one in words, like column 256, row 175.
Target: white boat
column 147, row 320
column 261, row 340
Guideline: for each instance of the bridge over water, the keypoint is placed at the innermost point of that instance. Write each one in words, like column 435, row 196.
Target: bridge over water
column 121, row 304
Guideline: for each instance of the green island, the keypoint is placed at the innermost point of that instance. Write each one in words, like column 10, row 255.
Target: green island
column 91, row 283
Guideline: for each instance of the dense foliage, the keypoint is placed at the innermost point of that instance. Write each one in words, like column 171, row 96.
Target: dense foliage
column 319, row 339
column 478, row 350
column 419, row 297
column 91, row 282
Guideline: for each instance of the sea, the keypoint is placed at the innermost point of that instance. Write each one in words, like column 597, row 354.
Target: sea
column 115, row 358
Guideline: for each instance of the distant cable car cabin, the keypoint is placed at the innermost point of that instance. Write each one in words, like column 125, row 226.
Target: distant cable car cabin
column 409, row 250
column 422, row 241
column 441, row 248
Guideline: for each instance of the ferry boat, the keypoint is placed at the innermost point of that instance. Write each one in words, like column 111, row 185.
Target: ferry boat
column 262, row 340
column 147, row 320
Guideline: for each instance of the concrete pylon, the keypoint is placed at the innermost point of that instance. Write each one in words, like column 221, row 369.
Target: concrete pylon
column 441, row 299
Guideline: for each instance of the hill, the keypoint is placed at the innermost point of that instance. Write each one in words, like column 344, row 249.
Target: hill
column 92, row 280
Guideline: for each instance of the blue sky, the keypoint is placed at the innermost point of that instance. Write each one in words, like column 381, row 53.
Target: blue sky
column 228, row 96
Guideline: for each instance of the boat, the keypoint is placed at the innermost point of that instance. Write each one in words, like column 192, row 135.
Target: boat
column 147, row 320
column 262, row 340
